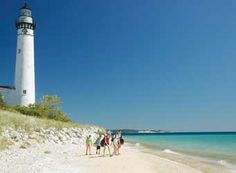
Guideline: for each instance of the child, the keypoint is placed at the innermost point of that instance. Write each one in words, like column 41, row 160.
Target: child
column 88, row 144
column 98, row 143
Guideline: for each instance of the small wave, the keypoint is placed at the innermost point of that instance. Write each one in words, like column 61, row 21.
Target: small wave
column 137, row 145
column 230, row 166
column 222, row 162
column 170, row 152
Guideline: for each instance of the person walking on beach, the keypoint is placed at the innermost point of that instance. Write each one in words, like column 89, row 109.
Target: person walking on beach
column 106, row 144
column 115, row 141
column 88, row 144
column 120, row 141
column 98, row 144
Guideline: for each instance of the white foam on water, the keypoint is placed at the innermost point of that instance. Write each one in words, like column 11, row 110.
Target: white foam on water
column 222, row 162
column 170, row 152
column 227, row 165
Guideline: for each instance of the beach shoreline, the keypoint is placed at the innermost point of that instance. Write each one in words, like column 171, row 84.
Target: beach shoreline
column 71, row 158
column 209, row 152
column 200, row 163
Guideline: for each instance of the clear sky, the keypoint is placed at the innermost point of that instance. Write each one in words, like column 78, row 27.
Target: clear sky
column 160, row 64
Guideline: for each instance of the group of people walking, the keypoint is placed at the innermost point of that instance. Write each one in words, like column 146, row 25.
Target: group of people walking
column 105, row 141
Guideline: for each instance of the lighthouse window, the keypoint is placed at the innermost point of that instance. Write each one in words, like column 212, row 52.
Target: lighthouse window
column 24, row 91
column 19, row 50
column 25, row 12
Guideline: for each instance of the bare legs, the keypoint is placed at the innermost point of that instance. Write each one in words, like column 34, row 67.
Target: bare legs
column 104, row 150
column 116, row 149
column 88, row 148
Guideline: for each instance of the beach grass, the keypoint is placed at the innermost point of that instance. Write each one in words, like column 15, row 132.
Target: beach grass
column 29, row 123
column 3, row 143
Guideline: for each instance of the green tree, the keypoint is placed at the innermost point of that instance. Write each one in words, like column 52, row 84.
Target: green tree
column 51, row 108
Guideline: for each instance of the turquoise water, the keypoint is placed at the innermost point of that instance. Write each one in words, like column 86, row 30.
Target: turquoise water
column 217, row 146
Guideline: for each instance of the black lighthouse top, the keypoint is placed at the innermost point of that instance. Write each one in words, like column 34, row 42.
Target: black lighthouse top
column 25, row 20
column 25, row 10
column 25, row 6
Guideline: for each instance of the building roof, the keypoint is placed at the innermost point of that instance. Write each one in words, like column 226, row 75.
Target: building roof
column 7, row 87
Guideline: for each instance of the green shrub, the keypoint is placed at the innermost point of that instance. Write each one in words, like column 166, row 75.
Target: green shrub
column 49, row 107
column 30, row 110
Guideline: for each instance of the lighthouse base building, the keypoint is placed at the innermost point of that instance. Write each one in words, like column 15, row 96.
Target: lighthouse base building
column 23, row 91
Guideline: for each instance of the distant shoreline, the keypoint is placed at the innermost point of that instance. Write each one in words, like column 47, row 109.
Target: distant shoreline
column 175, row 133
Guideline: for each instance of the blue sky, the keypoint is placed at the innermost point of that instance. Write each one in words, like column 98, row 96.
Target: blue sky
column 160, row 64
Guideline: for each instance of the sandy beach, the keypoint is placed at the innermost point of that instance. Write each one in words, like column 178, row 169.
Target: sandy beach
column 132, row 160
column 70, row 158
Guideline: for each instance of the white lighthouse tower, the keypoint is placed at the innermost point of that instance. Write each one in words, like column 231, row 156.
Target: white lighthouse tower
column 24, row 93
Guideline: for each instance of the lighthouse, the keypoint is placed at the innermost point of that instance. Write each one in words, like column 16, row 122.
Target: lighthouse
column 24, row 92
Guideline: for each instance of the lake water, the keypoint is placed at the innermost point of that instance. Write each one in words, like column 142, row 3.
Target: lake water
column 220, row 147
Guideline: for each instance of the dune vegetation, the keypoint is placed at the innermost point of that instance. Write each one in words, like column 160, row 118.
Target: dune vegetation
column 43, row 115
